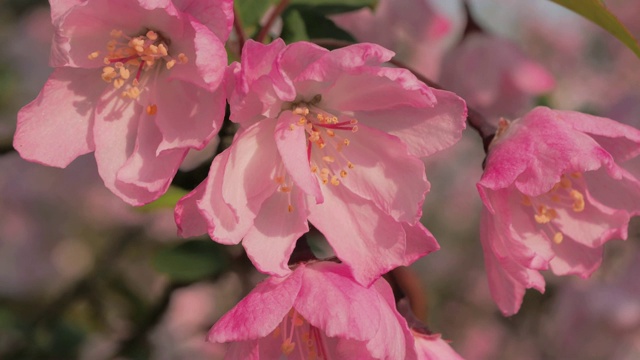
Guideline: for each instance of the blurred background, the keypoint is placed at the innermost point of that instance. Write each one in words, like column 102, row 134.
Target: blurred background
column 85, row 276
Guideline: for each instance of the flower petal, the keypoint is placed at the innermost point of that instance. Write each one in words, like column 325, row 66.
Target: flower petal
column 291, row 140
column 365, row 238
column 573, row 258
column 271, row 240
column 55, row 128
column 217, row 15
column 187, row 215
column 386, row 174
column 426, row 130
column 260, row 312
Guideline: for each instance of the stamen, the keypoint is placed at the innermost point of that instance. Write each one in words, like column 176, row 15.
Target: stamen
column 558, row 237
column 152, row 109
column 287, row 347
column 94, row 55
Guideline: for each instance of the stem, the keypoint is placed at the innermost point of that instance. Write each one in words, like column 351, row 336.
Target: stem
column 6, row 149
column 237, row 25
column 272, row 18
column 409, row 285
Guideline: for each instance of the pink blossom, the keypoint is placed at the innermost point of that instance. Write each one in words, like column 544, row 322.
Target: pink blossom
column 331, row 138
column 135, row 81
column 318, row 311
column 412, row 28
column 554, row 194
column 494, row 76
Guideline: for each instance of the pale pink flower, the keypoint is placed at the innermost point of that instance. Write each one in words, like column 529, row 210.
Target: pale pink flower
column 332, row 138
column 413, row 29
column 318, row 311
column 494, row 76
column 553, row 195
column 135, row 81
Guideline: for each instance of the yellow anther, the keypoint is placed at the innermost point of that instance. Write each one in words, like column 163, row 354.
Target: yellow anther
column 354, row 129
column 526, row 201
column 152, row 109
column 118, row 83
column 321, row 144
column 552, row 214
column 162, row 49
column 314, row 136
column 324, row 180
column 291, row 127
column 132, row 93
column 353, row 121
column 558, row 237
column 153, row 49
column 170, row 64
column 565, row 183
column 287, row 347
column 328, row 159
column 542, row 216
column 325, row 171
column 119, row 65
column 290, row 208
column 298, row 320
column 343, row 173
column 350, row 165
column 183, row 58
column 94, row 55
column 152, row 35
column 285, row 189
column 124, row 73
column 314, row 169
column 578, row 200
column 346, row 142
column 139, row 49
column 331, row 133
column 576, row 175
column 279, row 179
column 555, row 198
column 301, row 111
column 335, row 181
column 302, row 121
column 116, row 33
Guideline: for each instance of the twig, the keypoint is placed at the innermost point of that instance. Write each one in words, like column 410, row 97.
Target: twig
column 237, row 25
column 272, row 18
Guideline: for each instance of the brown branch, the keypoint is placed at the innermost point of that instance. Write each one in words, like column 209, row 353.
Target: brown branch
column 237, row 25
column 272, row 18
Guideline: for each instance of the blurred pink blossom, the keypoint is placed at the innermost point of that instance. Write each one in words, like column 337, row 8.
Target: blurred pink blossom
column 554, row 194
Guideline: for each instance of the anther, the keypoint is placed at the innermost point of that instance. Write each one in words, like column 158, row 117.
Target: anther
column 558, row 237
column 152, row 109
column 93, row 55
column 287, row 347
column 335, row 181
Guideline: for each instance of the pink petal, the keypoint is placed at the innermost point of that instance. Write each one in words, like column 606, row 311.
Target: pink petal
column 60, row 7
column 270, row 242
column 365, row 238
column 621, row 193
column 426, row 130
column 507, row 279
column 187, row 215
column 386, row 174
column 180, row 104
column 575, row 258
column 620, row 140
column 356, row 312
column 369, row 89
column 146, row 174
column 434, row 347
column 115, row 132
column 207, row 69
column 223, row 224
column 55, row 128
column 217, row 15
column 232, row 199
column 291, row 141
column 419, row 243
column 530, row 77
column 260, row 312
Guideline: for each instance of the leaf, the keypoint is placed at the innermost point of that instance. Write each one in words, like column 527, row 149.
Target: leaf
column 166, row 201
column 304, row 22
column 192, row 260
column 597, row 12
column 350, row 3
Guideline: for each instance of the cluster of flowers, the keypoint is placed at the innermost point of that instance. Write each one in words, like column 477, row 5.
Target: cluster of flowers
column 331, row 138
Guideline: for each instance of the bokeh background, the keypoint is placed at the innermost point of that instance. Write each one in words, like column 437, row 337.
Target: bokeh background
column 84, row 276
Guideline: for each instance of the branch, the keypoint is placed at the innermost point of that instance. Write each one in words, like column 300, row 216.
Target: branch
column 272, row 18
column 237, row 25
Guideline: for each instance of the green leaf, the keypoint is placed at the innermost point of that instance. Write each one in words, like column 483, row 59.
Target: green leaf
column 166, row 201
column 192, row 260
column 596, row 11
column 304, row 22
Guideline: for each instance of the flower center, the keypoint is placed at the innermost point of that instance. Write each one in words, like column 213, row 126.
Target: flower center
column 327, row 136
column 127, row 58
column 298, row 335
column 563, row 195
